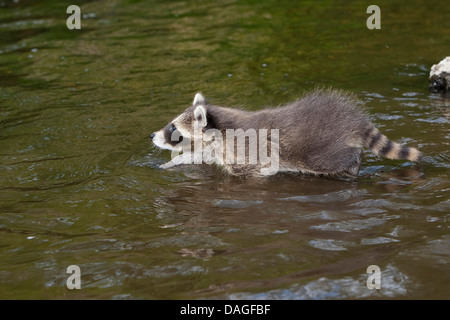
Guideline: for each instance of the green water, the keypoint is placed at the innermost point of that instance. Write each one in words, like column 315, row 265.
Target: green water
column 79, row 177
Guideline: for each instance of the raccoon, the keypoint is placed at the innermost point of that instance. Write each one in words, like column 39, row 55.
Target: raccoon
column 322, row 133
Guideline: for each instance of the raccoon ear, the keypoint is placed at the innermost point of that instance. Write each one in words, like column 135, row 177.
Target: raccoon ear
column 198, row 99
column 200, row 115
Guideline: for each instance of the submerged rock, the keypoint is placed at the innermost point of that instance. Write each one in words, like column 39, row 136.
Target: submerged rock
column 439, row 80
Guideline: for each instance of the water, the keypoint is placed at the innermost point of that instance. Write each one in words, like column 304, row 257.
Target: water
column 80, row 183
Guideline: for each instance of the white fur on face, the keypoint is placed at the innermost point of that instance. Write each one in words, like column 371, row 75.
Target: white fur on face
column 160, row 142
column 194, row 132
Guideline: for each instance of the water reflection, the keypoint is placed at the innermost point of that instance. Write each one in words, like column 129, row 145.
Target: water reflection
column 213, row 216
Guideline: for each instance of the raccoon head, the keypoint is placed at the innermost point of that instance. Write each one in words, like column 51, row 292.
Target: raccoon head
column 185, row 128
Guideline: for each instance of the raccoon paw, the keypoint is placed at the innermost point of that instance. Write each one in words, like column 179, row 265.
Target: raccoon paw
column 167, row 165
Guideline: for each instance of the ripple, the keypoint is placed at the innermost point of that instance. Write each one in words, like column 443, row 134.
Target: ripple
column 108, row 275
column 411, row 94
column 393, row 284
column 148, row 160
column 434, row 120
column 236, row 204
column 96, row 246
column 337, row 196
column 330, row 244
column 383, row 203
column 435, row 251
column 388, row 116
column 353, row 225
column 373, row 95
column 378, row 240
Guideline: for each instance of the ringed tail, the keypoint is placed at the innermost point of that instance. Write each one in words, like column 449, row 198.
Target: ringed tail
column 380, row 145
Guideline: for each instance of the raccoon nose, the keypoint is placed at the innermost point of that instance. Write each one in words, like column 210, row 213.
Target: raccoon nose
column 152, row 136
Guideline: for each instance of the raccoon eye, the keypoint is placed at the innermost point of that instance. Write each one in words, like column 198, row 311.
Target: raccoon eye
column 172, row 128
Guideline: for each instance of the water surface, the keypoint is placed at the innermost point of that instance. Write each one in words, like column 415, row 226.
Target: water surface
column 79, row 178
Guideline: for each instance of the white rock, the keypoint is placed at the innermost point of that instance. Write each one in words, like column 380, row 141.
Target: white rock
column 443, row 66
column 439, row 80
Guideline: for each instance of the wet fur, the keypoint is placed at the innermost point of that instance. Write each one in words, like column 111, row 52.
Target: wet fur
column 322, row 133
